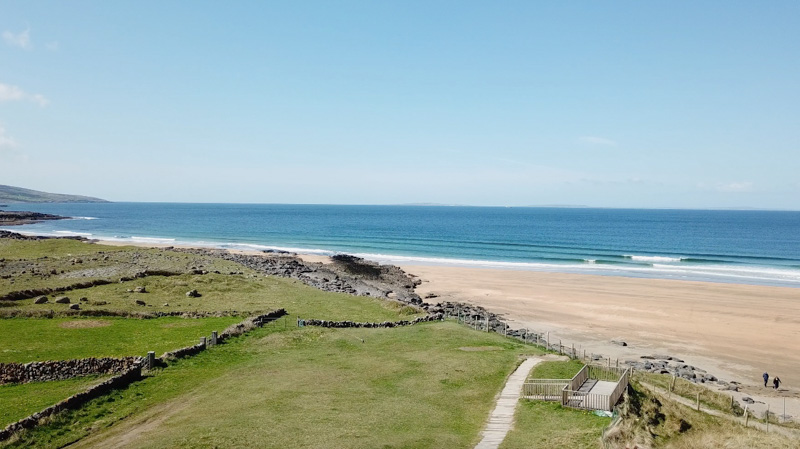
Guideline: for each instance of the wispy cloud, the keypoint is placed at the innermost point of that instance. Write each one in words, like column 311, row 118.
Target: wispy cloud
column 53, row 46
column 595, row 140
column 735, row 187
column 21, row 39
column 14, row 93
column 6, row 142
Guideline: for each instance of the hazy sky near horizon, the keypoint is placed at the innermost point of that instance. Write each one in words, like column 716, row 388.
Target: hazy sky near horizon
column 608, row 104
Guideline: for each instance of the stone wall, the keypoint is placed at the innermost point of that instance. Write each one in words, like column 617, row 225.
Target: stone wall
column 341, row 324
column 122, row 380
column 232, row 331
column 64, row 369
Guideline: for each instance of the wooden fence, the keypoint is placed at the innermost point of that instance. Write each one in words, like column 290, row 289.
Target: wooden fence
column 585, row 401
column 544, row 389
column 567, row 390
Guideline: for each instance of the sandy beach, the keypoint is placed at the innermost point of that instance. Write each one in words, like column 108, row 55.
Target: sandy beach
column 733, row 331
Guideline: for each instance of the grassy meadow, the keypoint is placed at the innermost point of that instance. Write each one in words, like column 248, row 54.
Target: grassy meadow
column 556, row 369
column 72, row 338
column 417, row 386
column 21, row 400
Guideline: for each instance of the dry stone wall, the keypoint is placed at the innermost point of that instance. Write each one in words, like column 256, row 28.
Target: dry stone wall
column 122, row 380
column 64, row 369
column 345, row 324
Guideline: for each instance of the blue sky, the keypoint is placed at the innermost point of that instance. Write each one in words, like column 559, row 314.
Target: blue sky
column 609, row 104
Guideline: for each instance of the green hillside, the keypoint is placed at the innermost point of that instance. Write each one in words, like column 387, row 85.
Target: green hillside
column 11, row 194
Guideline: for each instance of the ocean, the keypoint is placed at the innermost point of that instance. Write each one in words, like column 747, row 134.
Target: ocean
column 749, row 247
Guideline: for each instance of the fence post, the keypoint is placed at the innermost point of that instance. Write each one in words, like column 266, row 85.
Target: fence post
column 151, row 363
column 746, row 415
column 698, row 401
column 559, row 346
column 767, row 417
column 214, row 337
column 548, row 340
column 487, row 321
column 203, row 341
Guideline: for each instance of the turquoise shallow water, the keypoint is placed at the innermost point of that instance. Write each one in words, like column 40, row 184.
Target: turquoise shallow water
column 754, row 247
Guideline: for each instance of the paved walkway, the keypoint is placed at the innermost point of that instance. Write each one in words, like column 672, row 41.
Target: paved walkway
column 503, row 414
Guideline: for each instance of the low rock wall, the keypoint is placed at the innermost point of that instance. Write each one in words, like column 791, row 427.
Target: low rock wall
column 64, row 369
column 232, row 331
column 122, row 380
column 384, row 324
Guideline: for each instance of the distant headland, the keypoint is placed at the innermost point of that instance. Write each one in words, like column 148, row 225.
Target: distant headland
column 11, row 194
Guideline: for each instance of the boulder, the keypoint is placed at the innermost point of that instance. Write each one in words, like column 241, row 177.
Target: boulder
column 140, row 289
column 139, row 302
column 193, row 294
column 40, row 300
column 62, row 300
column 75, row 307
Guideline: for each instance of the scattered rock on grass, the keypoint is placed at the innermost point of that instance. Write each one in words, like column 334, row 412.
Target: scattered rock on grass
column 75, row 307
column 40, row 300
column 62, row 300
column 193, row 294
column 140, row 289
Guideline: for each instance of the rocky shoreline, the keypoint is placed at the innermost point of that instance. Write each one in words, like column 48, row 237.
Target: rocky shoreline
column 9, row 218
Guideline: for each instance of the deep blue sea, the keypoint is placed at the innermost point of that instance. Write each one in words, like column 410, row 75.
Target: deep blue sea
column 752, row 247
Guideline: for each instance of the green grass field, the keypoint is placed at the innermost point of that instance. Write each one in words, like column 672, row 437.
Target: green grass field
column 540, row 424
column 556, row 369
column 58, row 263
column 71, row 338
column 231, row 293
column 21, row 400
column 417, row 386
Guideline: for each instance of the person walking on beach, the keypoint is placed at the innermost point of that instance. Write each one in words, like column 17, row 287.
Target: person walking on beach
column 766, row 378
column 776, row 382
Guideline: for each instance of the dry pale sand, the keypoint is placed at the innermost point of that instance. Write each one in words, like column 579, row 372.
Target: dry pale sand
column 733, row 331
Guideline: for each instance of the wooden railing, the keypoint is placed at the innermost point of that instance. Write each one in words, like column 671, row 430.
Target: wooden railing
column 608, row 374
column 544, row 389
column 585, row 401
column 622, row 384
column 578, row 380
column 567, row 390
column 571, row 397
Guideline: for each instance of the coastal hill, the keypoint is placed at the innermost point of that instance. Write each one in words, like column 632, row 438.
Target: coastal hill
column 11, row 194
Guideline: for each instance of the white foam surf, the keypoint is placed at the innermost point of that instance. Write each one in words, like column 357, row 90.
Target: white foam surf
column 653, row 259
column 73, row 233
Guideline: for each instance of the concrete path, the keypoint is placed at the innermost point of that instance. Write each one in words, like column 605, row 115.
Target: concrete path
column 502, row 416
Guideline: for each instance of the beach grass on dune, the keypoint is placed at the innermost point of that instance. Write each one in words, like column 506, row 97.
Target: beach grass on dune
column 414, row 386
column 21, row 400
